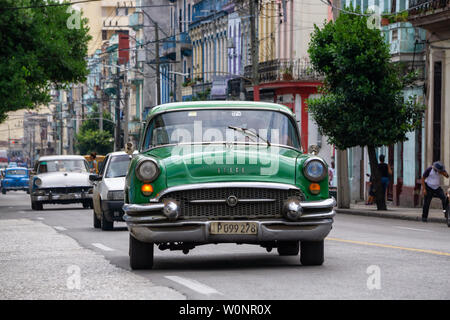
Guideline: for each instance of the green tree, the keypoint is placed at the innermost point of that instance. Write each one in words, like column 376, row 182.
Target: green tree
column 362, row 100
column 89, row 138
column 37, row 50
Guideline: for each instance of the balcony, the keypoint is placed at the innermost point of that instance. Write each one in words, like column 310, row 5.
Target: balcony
column 285, row 70
column 432, row 15
column 169, row 46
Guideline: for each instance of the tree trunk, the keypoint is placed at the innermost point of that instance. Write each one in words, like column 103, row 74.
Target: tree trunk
column 380, row 197
column 343, row 190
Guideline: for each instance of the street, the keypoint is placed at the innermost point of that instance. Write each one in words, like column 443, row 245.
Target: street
column 365, row 258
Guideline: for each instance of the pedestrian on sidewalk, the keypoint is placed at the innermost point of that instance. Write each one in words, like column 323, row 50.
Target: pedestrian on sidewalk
column 431, row 187
column 93, row 162
column 386, row 173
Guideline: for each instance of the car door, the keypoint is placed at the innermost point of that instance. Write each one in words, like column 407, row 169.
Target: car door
column 98, row 185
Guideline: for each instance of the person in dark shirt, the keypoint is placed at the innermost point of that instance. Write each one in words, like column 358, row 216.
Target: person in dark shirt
column 386, row 173
column 431, row 187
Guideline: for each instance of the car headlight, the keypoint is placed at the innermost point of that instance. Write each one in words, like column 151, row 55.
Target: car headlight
column 314, row 169
column 147, row 170
column 38, row 182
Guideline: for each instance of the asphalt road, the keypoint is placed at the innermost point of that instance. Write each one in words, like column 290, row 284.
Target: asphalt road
column 365, row 258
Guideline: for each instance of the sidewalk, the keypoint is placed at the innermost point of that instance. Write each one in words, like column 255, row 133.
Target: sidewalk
column 393, row 212
column 38, row 263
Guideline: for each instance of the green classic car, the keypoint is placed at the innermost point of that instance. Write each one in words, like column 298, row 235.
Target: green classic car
column 225, row 172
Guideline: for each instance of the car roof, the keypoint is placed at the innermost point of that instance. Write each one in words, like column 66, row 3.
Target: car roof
column 62, row 157
column 219, row 104
column 116, row 153
column 15, row 168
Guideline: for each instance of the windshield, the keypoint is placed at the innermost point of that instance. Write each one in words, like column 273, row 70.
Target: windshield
column 62, row 166
column 16, row 172
column 118, row 166
column 260, row 126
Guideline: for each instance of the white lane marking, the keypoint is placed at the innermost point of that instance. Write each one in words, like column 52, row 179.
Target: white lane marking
column 411, row 229
column 60, row 228
column 40, row 218
column 102, row 247
column 194, row 285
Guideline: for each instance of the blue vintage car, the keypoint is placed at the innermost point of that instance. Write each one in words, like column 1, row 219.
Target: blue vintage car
column 15, row 179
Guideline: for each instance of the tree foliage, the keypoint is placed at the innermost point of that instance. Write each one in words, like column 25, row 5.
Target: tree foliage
column 37, row 49
column 362, row 102
column 89, row 138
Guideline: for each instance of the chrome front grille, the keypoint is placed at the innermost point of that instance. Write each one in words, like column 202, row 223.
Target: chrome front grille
column 65, row 190
column 251, row 202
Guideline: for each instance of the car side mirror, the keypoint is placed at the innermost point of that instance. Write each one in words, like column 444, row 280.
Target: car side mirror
column 95, row 177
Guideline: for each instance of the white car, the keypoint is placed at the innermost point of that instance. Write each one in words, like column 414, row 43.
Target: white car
column 60, row 179
column 108, row 192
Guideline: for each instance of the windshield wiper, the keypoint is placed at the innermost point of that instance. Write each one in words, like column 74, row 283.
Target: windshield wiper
column 249, row 132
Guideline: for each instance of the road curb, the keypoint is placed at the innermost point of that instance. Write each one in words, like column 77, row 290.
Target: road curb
column 389, row 215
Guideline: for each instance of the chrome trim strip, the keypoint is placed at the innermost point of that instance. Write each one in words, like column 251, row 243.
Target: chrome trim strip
column 216, row 185
column 327, row 203
column 137, row 208
column 144, row 219
column 239, row 200
column 326, row 215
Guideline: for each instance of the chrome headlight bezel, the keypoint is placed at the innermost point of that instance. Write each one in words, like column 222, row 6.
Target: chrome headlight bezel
column 149, row 178
column 38, row 182
column 313, row 161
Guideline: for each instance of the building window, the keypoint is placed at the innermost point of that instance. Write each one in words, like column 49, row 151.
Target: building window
column 104, row 35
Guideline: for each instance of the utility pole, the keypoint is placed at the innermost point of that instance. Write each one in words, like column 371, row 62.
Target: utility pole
column 158, row 76
column 117, row 135
column 343, row 193
column 61, row 136
column 254, row 41
column 126, row 116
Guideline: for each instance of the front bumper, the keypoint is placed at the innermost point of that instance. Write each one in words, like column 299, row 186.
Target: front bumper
column 62, row 197
column 147, row 223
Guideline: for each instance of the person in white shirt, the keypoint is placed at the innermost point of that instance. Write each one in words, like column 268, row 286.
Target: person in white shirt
column 431, row 187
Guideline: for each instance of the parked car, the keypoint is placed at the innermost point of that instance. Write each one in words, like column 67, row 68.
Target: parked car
column 60, row 179
column 108, row 190
column 222, row 171
column 12, row 165
column 14, row 179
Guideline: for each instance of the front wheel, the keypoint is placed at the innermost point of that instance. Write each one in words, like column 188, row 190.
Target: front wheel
column 141, row 254
column 288, row 248
column 311, row 253
column 36, row 205
column 97, row 221
column 106, row 225
column 3, row 191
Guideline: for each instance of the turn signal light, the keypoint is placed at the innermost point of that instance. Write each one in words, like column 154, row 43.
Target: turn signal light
column 314, row 188
column 147, row 189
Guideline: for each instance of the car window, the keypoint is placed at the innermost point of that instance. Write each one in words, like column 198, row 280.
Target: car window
column 103, row 164
column 66, row 165
column 18, row 172
column 118, row 166
column 214, row 125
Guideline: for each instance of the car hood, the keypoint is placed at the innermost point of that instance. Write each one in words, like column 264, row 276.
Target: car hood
column 64, row 179
column 115, row 183
column 203, row 164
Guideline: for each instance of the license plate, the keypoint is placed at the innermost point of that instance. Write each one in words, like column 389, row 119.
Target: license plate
column 234, row 228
